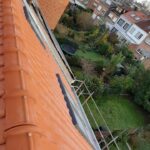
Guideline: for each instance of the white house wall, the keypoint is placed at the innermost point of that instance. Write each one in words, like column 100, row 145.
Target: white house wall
column 126, row 33
column 137, row 29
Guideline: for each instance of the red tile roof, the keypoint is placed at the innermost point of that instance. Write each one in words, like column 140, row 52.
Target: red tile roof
column 52, row 10
column 137, row 14
column 145, row 25
column 33, row 112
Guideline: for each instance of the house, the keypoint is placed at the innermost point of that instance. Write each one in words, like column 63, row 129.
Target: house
column 109, row 11
column 133, row 28
column 81, row 3
column 127, row 29
column 92, row 4
column 39, row 109
column 142, row 51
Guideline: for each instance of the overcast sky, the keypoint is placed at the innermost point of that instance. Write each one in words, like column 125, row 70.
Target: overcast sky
column 141, row 0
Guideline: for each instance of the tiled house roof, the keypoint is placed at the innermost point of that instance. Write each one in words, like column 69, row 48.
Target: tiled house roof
column 52, row 10
column 145, row 25
column 33, row 112
column 135, row 16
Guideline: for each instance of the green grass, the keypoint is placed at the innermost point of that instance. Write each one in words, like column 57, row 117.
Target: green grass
column 143, row 145
column 88, row 55
column 119, row 113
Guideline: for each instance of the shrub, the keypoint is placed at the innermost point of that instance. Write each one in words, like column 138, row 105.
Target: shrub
column 100, row 65
column 113, row 39
column 84, row 21
column 74, row 61
column 121, row 85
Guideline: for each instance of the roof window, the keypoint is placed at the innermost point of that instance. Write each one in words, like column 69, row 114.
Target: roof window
column 34, row 26
column 132, row 15
column 137, row 18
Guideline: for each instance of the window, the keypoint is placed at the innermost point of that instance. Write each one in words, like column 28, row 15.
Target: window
column 139, row 35
column 34, row 26
column 98, row 17
column 99, row 8
column 121, row 22
column 137, row 18
column 126, row 26
column 103, row 12
column 114, row 19
column 94, row 16
column 95, row 4
column 132, row 15
column 139, row 51
column 110, row 15
column 147, row 41
column 114, row 30
column 132, row 30
column 77, row 115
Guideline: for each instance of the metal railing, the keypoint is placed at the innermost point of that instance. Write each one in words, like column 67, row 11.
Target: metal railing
column 82, row 90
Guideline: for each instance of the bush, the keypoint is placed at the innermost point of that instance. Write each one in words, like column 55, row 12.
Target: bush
column 84, row 21
column 100, row 65
column 113, row 39
column 121, row 85
column 95, row 85
column 141, row 88
column 74, row 61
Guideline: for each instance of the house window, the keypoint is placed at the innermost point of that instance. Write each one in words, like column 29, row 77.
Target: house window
column 121, row 22
column 110, row 15
column 103, row 12
column 139, row 51
column 137, row 18
column 94, row 16
column 132, row 30
column 95, row 4
column 132, row 15
column 147, row 41
column 99, row 8
column 126, row 26
column 139, row 35
column 114, row 30
column 114, row 19
column 34, row 26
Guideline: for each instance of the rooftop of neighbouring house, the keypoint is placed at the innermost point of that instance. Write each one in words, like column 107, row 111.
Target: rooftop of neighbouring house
column 145, row 25
column 135, row 16
column 52, row 13
column 34, row 114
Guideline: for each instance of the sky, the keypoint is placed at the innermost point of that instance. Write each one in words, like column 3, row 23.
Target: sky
column 141, row 0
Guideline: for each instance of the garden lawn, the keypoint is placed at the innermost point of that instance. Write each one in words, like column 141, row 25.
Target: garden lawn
column 119, row 113
column 88, row 55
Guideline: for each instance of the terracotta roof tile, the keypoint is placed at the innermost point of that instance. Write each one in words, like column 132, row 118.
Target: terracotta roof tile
column 144, row 24
column 137, row 14
column 33, row 112
column 52, row 10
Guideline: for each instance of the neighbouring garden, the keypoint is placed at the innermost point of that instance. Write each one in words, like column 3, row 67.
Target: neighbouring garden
column 120, row 83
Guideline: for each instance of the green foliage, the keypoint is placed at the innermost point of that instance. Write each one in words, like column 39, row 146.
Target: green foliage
column 141, row 139
column 74, row 61
column 95, row 85
column 119, row 113
column 121, row 85
column 141, row 88
column 113, row 39
column 114, row 61
column 100, row 65
column 104, row 49
column 127, row 53
column 84, row 21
